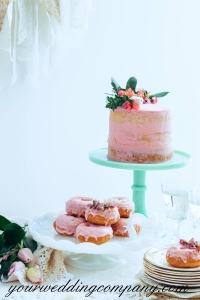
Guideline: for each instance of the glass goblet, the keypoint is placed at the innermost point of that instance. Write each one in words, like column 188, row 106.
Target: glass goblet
column 176, row 195
column 194, row 203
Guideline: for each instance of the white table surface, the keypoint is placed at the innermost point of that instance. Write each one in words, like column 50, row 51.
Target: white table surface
column 123, row 274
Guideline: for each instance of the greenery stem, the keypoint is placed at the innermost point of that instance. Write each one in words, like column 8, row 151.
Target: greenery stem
column 9, row 252
column 20, row 245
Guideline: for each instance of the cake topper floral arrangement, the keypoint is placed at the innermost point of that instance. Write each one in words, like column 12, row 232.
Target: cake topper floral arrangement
column 130, row 97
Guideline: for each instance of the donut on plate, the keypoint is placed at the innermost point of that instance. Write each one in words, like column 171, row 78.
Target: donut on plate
column 124, row 205
column 184, row 255
column 66, row 225
column 76, row 206
column 87, row 232
column 100, row 213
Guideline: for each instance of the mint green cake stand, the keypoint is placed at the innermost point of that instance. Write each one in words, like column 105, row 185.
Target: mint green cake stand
column 180, row 159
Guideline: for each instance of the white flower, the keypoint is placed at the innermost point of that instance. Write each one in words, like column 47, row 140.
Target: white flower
column 137, row 100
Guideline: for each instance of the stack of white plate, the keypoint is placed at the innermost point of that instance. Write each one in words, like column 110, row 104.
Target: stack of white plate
column 158, row 271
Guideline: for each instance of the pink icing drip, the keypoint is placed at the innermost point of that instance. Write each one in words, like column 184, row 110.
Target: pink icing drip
column 183, row 253
column 77, row 205
column 67, row 224
column 90, row 230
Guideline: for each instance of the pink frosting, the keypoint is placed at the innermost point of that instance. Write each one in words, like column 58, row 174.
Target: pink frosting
column 143, row 132
column 77, row 205
column 90, row 230
column 108, row 214
column 67, row 224
column 183, row 253
column 120, row 228
column 121, row 202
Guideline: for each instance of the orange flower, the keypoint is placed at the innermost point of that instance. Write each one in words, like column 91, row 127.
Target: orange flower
column 129, row 93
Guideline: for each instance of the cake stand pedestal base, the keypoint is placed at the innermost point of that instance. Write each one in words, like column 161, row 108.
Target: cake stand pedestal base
column 139, row 188
column 93, row 261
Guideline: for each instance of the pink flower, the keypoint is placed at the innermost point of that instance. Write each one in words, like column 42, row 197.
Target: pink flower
column 34, row 275
column 127, row 106
column 99, row 208
column 121, row 93
column 16, row 266
column 135, row 106
column 141, row 93
column 25, row 255
column 146, row 101
column 129, row 93
column 154, row 100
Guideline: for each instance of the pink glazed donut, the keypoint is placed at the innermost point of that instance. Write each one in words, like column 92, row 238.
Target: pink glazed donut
column 184, row 255
column 66, row 225
column 87, row 232
column 120, row 228
column 102, row 214
column 76, row 206
column 124, row 205
column 126, row 227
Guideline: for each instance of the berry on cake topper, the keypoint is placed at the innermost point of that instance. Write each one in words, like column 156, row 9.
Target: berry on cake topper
column 129, row 97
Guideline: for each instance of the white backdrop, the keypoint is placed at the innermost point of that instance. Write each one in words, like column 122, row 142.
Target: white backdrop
column 47, row 133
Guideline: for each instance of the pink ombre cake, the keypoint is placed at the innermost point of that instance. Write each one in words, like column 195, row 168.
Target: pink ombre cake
column 140, row 136
column 140, row 130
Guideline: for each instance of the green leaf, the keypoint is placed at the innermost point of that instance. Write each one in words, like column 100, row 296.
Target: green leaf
column 5, row 265
column 14, row 257
column 131, row 83
column 159, row 95
column 3, row 222
column 13, row 236
column 4, row 250
column 114, row 84
column 1, row 241
column 12, row 226
column 30, row 243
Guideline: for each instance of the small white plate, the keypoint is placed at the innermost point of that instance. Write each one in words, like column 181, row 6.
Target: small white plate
column 172, row 276
column 174, row 273
column 191, row 293
column 170, row 281
column 157, row 257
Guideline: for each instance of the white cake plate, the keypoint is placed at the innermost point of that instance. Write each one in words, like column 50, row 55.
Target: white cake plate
column 91, row 256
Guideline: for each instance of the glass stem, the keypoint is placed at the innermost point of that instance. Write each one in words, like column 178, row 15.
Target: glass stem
column 176, row 236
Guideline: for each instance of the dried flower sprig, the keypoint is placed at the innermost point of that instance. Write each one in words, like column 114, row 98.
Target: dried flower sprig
column 192, row 244
column 100, row 206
